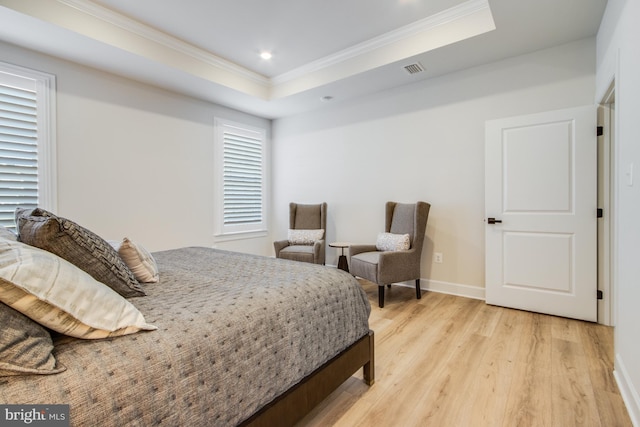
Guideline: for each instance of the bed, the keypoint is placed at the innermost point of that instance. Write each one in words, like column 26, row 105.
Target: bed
column 240, row 340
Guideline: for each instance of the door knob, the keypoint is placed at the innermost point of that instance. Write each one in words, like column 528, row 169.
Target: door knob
column 493, row 221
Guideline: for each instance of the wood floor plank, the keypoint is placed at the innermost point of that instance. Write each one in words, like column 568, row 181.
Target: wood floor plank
column 574, row 400
column 448, row 361
column 494, row 376
column 531, row 383
column 427, row 348
column 566, row 329
column 486, row 320
column 597, row 343
column 611, row 409
column 444, row 401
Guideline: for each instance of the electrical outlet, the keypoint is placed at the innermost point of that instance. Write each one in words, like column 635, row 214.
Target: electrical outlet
column 437, row 257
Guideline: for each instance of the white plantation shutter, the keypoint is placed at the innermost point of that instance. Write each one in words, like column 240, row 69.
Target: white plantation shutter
column 242, row 179
column 242, row 193
column 25, row 141
column 18, row 152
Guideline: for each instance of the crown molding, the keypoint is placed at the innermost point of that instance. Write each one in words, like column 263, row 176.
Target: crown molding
column 446, row 16
column 272, row 85
column 163, row 39
column 135, row 27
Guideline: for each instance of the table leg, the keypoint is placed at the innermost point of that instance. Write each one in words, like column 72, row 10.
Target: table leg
column 342, row 263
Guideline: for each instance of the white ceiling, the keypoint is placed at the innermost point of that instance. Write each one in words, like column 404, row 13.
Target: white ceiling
column 298, row 32
column 338, row 48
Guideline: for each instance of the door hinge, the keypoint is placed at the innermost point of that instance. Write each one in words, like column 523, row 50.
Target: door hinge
column 600, row 131
column 600, row 213
column 600, row 295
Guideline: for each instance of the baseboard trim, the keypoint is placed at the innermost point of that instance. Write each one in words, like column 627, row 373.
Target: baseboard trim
column 457, row 289
column 627, row 391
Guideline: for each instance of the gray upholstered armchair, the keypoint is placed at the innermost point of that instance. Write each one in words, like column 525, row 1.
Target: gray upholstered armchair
column 306, row 242
column 387, row 267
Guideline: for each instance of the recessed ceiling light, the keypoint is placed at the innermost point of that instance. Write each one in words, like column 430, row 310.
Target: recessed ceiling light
column 265, row 55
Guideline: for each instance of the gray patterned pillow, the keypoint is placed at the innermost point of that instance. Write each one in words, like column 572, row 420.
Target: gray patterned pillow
column 25, row 346
column 81, row 247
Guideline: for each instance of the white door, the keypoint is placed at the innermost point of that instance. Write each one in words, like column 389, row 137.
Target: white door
column 540, row 182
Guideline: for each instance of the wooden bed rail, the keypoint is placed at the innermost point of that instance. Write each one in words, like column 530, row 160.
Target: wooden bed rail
column 298, row 401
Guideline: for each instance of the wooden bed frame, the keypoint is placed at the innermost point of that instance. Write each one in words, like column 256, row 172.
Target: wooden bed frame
column 299, row 400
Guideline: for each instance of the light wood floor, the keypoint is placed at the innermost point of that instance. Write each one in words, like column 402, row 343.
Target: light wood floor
column 451, row 361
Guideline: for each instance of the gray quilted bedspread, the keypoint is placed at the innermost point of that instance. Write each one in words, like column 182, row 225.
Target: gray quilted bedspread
column 234, row 332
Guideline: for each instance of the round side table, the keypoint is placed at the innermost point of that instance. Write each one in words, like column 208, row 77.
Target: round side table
column 342, row 259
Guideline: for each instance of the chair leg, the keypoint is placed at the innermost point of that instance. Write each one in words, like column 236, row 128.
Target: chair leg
column 381, row 296
column 418, row 290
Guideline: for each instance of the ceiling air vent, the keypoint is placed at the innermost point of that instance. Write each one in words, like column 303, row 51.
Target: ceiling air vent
column 414, row 68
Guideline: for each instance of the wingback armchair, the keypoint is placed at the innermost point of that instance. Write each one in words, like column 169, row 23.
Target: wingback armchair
column 385, row 267
column 306, row 239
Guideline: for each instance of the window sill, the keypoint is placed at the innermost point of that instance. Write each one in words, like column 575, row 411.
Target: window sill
column 240, row 235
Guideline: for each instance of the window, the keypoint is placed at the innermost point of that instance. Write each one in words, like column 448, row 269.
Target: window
column 240, row 165
column 27, row 141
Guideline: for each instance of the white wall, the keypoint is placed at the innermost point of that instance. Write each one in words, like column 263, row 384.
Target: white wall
column 618, row 59
column 135, row 160
column 423, row 141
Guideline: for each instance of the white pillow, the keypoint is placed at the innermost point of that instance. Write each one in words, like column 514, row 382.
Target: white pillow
column 305, row 237
column 62, row 297
column 138, row 259
column 393, row 242
column 7, row 233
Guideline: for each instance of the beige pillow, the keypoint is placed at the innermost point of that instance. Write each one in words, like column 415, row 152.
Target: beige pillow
column 7, row 233
column 62, row 297
column 393, row 242
column 304, row 237
column 138, row 259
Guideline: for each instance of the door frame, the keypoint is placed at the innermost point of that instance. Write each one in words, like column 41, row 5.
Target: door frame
column 607, row 201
